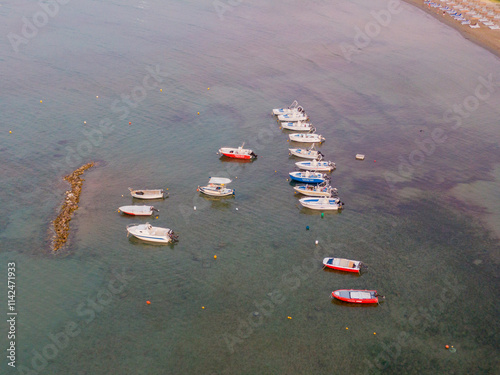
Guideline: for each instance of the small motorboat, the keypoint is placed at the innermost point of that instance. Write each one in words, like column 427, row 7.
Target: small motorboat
column 342, row 264
column 148, row 194
column 306, row 153
column 306, row 138
column 237, row 153
column 322, row 190
column 309, row 177
column 137, row 210
column 284, row 111
column 356, row 295
column 299, row 126
column 149, row 233
column 322, row 203
column 217, row 187
column 315, row 165
column 294, row 116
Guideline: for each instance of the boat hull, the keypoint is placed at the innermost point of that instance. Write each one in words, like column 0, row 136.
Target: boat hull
column 312, row 178
column 356, row 296
column 224, row 192
column 137, row 210
column 148, row 194
column 306, row 138
column 292, row 117
column 313, row 191
column 305, row 154
column 331, row 204
column 316, row 166
column 341, row 264
column 147, row 232
column 236, row 156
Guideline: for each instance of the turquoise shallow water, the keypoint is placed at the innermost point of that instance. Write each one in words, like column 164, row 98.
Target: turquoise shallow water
column 431, row 251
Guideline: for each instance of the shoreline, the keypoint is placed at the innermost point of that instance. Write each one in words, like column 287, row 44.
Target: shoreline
column 483, row 37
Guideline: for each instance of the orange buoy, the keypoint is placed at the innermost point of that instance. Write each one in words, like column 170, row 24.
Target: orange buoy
column 447, row 346
column 148, row 302
column 130, row 123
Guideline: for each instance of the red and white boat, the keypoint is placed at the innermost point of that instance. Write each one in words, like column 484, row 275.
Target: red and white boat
column 356, row 295
column 342, row 264
column 237, row 153
column 137, row 210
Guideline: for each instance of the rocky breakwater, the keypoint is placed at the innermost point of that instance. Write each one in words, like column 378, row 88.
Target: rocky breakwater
column 72, row 197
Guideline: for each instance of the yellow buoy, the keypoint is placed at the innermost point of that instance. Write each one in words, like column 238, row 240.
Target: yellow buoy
column 97, row 97
column 215, row 256
column 202, row 307
column 346, row 327
column 85, row 122
column 289, row 317
column 208, row 88
column 40, row 101
column 198, row 112
column 374, row 333
column 10, row 131
column 161, row 90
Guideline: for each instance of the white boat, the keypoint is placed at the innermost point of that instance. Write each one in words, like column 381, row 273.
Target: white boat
column 306, row 154
column 148, row 194
column 322, row 203
column 298, row 115
column 217, row 187
column 341, row 264
column 306, row 138
column 137, row 210
column 322, row 190
column 300, row 126
column 315, row 165
column 284, row 111
column 149, row 233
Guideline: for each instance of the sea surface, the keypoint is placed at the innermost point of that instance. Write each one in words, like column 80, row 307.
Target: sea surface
column 150, row 90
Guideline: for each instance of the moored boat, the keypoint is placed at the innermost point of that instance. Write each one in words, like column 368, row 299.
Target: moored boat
column 299, row 126
column 342, row 264
column 137, row 210
column 315, row 165
column 322, row 203
column 283, row 111
column 149, row 233
column 309, row 177
column 217, row 187
column 298, row 115
column 310, row 153
column 356, row 295
column 322, row 190
column 237, row 153
column 306, row 138
column 148, row 193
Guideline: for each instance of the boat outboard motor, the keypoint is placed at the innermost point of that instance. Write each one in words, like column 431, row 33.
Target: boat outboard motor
column 253, row 154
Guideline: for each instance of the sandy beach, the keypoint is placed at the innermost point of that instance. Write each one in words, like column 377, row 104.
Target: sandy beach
column 483, row 36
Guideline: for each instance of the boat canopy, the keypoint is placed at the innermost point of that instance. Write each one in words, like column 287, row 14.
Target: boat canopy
column 219, row 180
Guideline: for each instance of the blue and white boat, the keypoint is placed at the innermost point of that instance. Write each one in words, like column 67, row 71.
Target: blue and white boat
column 306, row 137
column 322, row 203
column 317, row 166
column 309, row 177
column 298, row 126
column 306, row 153
column 284, row 111
column 149, row 233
